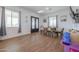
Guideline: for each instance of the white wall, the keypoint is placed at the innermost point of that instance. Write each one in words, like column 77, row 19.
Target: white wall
column 69, row 24
column 25, row 22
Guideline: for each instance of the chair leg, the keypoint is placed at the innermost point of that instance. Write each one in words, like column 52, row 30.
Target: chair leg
column 57, row 34
column 51, row 34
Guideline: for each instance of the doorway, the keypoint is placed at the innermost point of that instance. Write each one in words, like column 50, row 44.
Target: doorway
column 34, row 24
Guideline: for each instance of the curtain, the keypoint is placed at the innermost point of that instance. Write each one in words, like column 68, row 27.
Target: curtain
column 3, row 27
column 19, row 22
column 0, row 19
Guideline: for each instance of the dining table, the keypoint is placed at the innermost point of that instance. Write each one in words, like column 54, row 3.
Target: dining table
column 52, row 32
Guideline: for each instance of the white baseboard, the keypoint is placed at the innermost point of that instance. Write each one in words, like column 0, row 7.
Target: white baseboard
column 12, row 36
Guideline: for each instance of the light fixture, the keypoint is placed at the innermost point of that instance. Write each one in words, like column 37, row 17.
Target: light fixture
column 47, row 8
column 40, row 11
column 44, row 10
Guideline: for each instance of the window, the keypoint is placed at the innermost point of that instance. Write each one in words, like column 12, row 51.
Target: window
column 12, row 18
column 52, row 21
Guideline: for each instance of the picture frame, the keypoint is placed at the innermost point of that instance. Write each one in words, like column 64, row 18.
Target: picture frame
column 63, row 18
column 44, row 21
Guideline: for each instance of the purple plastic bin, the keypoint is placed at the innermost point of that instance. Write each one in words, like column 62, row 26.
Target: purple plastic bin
column 74, row 47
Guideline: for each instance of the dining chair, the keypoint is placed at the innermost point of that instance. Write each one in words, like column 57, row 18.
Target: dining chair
column 61, row 34
column 45, row 31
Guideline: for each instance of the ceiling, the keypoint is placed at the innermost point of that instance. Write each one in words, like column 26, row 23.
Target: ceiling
column 45, row 8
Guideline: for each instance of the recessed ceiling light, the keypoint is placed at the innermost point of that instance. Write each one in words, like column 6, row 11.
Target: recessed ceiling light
column 47, row 8
column 40, row 11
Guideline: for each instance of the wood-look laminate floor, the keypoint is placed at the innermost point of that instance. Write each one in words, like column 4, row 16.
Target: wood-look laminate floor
column 31, row 43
